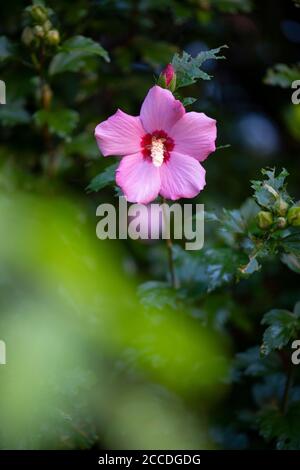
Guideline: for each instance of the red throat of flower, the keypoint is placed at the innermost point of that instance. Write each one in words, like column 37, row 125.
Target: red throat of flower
column 156, row 147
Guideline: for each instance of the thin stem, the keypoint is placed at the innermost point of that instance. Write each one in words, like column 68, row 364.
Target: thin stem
column 169, row 243
column 287, row 388
column 45, row 103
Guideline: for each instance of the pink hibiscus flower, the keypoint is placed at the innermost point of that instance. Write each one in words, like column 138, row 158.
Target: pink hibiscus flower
column 161, row 148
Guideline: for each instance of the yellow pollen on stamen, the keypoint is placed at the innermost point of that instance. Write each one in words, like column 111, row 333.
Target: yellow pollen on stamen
column 157, row 151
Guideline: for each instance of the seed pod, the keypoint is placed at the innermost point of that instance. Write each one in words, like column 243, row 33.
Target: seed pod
column 264, row 220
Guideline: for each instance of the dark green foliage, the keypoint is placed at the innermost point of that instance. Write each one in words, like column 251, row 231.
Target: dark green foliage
column 73, row 54
column 68, row 67
column 104, row 179
column 283, row 327
column 60, row 122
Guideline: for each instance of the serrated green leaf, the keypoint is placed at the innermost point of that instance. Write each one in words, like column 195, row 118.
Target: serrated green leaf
column 222, row 265
column 285, row 428
column 60, row 122
column 283, row 327
column 282, row 75
column 188, row 68
column 266, row 191
column 73, row 54
column 103, row 179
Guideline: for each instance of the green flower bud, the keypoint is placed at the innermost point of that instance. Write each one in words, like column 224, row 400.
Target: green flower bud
column 281, row 222
column 281, row 207
column 27, row 36
column 264, row 220
column 38, row 31
column 39, row 13
column 53, row 37
column 47, row 26
column 294, row 216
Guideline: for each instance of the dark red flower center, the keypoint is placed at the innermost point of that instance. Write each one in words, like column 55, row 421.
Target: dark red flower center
column 156, row 147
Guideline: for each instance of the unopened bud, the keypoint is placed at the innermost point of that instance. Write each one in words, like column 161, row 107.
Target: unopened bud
column 264, row 220
column 47, row 26
column 53, row 37
column 27, row 36
column 294, row 216
column 39, row 13
column 38, row 31
column 281, row 222
column 281, row 207
column 167, row 78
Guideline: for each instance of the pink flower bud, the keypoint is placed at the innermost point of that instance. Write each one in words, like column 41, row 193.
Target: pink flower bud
column 169, row 73
column 167, row 78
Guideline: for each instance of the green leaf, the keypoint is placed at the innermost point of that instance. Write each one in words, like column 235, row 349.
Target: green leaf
column 73, row 54
column 83, row 144
column 103, row 179
column 291, row 243
column 285, row 428
column 252, row 363
column 282, row 75
column 188, row 101
column 14, row 113
column 60, row 122
column 157, row 294
column 266, row 191
column 188, row 68
column 232, row 6
column 6, row 48
column 222, row 265
column 191, row 271
column 233, row 221
column 292, row 261
column 283, row 327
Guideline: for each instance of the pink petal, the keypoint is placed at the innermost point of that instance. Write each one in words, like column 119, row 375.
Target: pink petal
column 195, row 135
column 120, row 134
column 160, row 110
column 138, row 178
column 181, row 176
